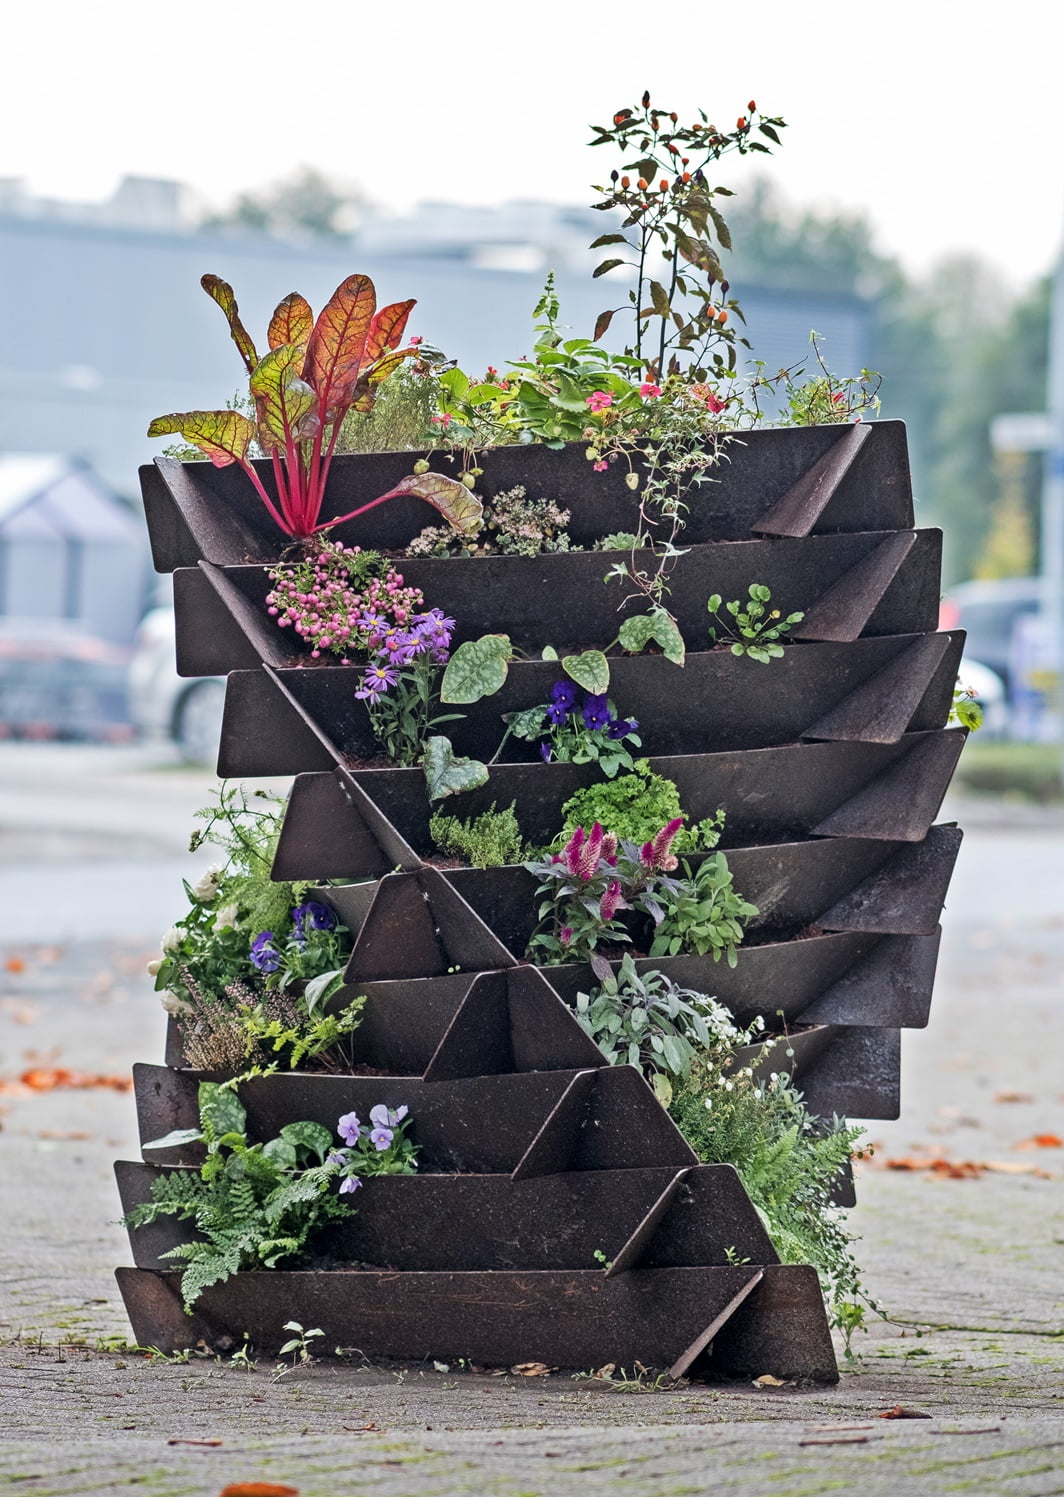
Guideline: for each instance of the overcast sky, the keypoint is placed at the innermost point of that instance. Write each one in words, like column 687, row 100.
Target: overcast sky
column 942, row 119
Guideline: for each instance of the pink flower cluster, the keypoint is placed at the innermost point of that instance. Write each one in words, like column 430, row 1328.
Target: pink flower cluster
column 585, row 850
column 319, row 602
column 655, row 854
column 708, row 397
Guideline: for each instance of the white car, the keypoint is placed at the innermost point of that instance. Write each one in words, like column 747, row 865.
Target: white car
column 166, row 705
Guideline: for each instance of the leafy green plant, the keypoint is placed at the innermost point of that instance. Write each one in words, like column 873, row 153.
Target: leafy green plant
column 298, row 1344
column 790, row 1162
column 757, row 629
column 400, row 419
column 819, row 399
column 256, row 1205
column 965, row 711
column 702, row 913
column 489, row 840
column 633, row 807
column 316, row 371
column 583, row 890
column 648, row 1021
column 669, row 210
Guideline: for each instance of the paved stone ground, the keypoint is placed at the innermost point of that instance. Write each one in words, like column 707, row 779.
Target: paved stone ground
column 972, row 1269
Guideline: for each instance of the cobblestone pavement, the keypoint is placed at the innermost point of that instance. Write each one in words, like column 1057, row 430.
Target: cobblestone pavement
column 970, row 1267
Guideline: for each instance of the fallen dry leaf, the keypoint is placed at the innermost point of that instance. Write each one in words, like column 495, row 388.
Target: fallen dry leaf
column 532, row 1369
column 181, row 1440
column 900, row 1412
column 1041, row 1141
column 50, row 1078
column 1013, row 1097
column 766, row 1380
column 258, row 1489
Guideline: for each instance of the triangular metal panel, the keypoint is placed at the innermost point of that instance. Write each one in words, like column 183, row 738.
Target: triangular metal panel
column 882, row 708
column 905, row 895
column 803, row 504
column 904, row 799
column 841, row 613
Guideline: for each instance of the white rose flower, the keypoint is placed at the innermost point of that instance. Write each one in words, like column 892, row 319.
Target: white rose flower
column 172, row 940
column 154, row 965
column 227, row 916
column 207, row 887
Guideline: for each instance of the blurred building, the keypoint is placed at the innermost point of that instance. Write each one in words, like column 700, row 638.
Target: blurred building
column 105, row 324
column 71, row 549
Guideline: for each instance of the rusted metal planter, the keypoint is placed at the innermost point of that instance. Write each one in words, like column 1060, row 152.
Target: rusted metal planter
column 536, row 1156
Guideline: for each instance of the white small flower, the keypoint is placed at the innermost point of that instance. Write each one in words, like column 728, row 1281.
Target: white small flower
column 154, row 965
column 227, row 916
column 207, row 887
column 172, row 940
column 172, row 1003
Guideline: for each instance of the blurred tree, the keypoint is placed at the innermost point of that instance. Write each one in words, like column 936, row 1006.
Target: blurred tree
column 954, row 351
column 306, row 205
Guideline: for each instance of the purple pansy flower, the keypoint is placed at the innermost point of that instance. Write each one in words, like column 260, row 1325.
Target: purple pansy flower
column 349, row 1185
column 544, row 752
column 557, row 714
column 381, row 1138
column 264, row 953
column 596, row 711
column 313, row 916
column 387, row 1117
column 621, row 727
column 349, row 1128
column 563, row 694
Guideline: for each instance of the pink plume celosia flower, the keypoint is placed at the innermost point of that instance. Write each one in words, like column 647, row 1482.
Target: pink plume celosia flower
column 572, row 850
column 611, row 899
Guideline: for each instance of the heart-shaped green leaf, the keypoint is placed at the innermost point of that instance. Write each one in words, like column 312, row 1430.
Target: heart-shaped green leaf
column 447, row 774
column 591, row 670
column 636, row 633
column 476, row 669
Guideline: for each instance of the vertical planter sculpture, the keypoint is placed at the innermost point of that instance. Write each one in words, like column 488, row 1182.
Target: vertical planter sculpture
column 831, row 765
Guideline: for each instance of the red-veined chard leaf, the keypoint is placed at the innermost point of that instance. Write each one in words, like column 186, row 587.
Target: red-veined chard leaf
column 221, row 292
column 286, row 405
column 375, row 374
column 462, row 510
column 223, row 436
column 386, row 330
column 292, row 322
column 338, row 343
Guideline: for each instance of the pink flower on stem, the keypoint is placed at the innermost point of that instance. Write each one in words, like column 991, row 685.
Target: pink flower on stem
column 601, row 465
column 611, row 900
column 656, row 854
column 444, row 420
column 709, row 398
column 650, row 391
column 599, row 401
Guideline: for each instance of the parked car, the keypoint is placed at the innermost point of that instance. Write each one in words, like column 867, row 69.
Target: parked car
column 988, row 611
column 164, row 704
column 57, row 680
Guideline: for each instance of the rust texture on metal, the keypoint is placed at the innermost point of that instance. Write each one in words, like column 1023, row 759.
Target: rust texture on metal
column 561, row 1318
column 558, row 1214
column 876, row 583
column 199, row 512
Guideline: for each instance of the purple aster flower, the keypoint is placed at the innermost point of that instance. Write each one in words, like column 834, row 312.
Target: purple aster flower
column 563, row 693
column 387, row 1117
column 349, row 1185
column 313, row 916
column 620, row 727
column 264, row 953
column 349, row 1128
column 381, row 1138
column 377, row 679
column 596, row 711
